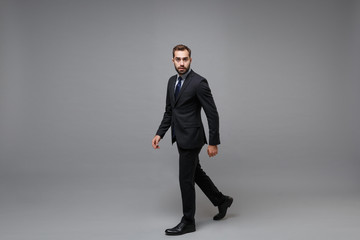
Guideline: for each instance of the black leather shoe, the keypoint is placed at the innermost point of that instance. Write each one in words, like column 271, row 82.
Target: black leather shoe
column 180, row 229
column 223, row 208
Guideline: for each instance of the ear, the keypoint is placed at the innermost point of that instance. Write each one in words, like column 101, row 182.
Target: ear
column 173, row 60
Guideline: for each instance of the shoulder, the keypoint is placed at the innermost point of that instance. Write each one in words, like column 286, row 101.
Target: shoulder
column 172, row 80
column 196, row 76
column 200, row 83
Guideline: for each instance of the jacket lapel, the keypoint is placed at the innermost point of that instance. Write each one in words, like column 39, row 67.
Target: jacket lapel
column 183, row 87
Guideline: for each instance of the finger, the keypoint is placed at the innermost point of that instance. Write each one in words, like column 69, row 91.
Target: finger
column 155, row 143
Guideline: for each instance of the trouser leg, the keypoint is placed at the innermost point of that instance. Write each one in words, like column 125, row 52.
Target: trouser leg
column 207, row 186
column 188, row 160
column 190, row 172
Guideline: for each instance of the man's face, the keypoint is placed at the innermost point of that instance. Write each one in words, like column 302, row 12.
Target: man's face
column 181, row 61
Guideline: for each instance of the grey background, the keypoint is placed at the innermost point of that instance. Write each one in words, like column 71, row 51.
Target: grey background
column 82, row 92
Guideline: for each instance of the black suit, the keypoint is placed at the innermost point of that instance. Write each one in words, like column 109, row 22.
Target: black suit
column 183, row 114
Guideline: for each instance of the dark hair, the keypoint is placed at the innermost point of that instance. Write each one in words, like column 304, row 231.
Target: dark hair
column 181, row 47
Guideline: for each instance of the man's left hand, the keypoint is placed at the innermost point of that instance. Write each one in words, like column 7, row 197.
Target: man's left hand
column 212, row 150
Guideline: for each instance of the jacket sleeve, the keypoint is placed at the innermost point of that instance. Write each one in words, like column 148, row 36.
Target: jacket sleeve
column 207, row 102
column 166, row 121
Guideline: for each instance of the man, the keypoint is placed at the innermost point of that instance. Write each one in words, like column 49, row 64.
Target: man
column 187, row 93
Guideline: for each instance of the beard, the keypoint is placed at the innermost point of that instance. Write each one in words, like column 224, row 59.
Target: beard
column 182, row 70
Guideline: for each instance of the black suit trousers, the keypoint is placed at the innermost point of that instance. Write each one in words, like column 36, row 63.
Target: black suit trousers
column 190, row 172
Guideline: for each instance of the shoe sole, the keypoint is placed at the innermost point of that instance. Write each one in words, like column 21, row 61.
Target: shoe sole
column 182, row 233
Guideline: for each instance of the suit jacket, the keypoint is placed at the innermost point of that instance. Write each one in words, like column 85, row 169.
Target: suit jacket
column 183, row 114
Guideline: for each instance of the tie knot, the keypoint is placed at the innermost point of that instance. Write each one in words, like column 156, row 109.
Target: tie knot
column 180, row 78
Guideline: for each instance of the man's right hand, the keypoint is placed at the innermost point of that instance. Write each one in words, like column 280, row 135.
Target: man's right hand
column 155, row 142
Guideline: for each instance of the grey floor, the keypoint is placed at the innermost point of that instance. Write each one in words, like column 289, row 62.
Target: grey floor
column 94, row 205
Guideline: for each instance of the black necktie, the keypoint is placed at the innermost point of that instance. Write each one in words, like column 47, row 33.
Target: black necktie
column 178, row 86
